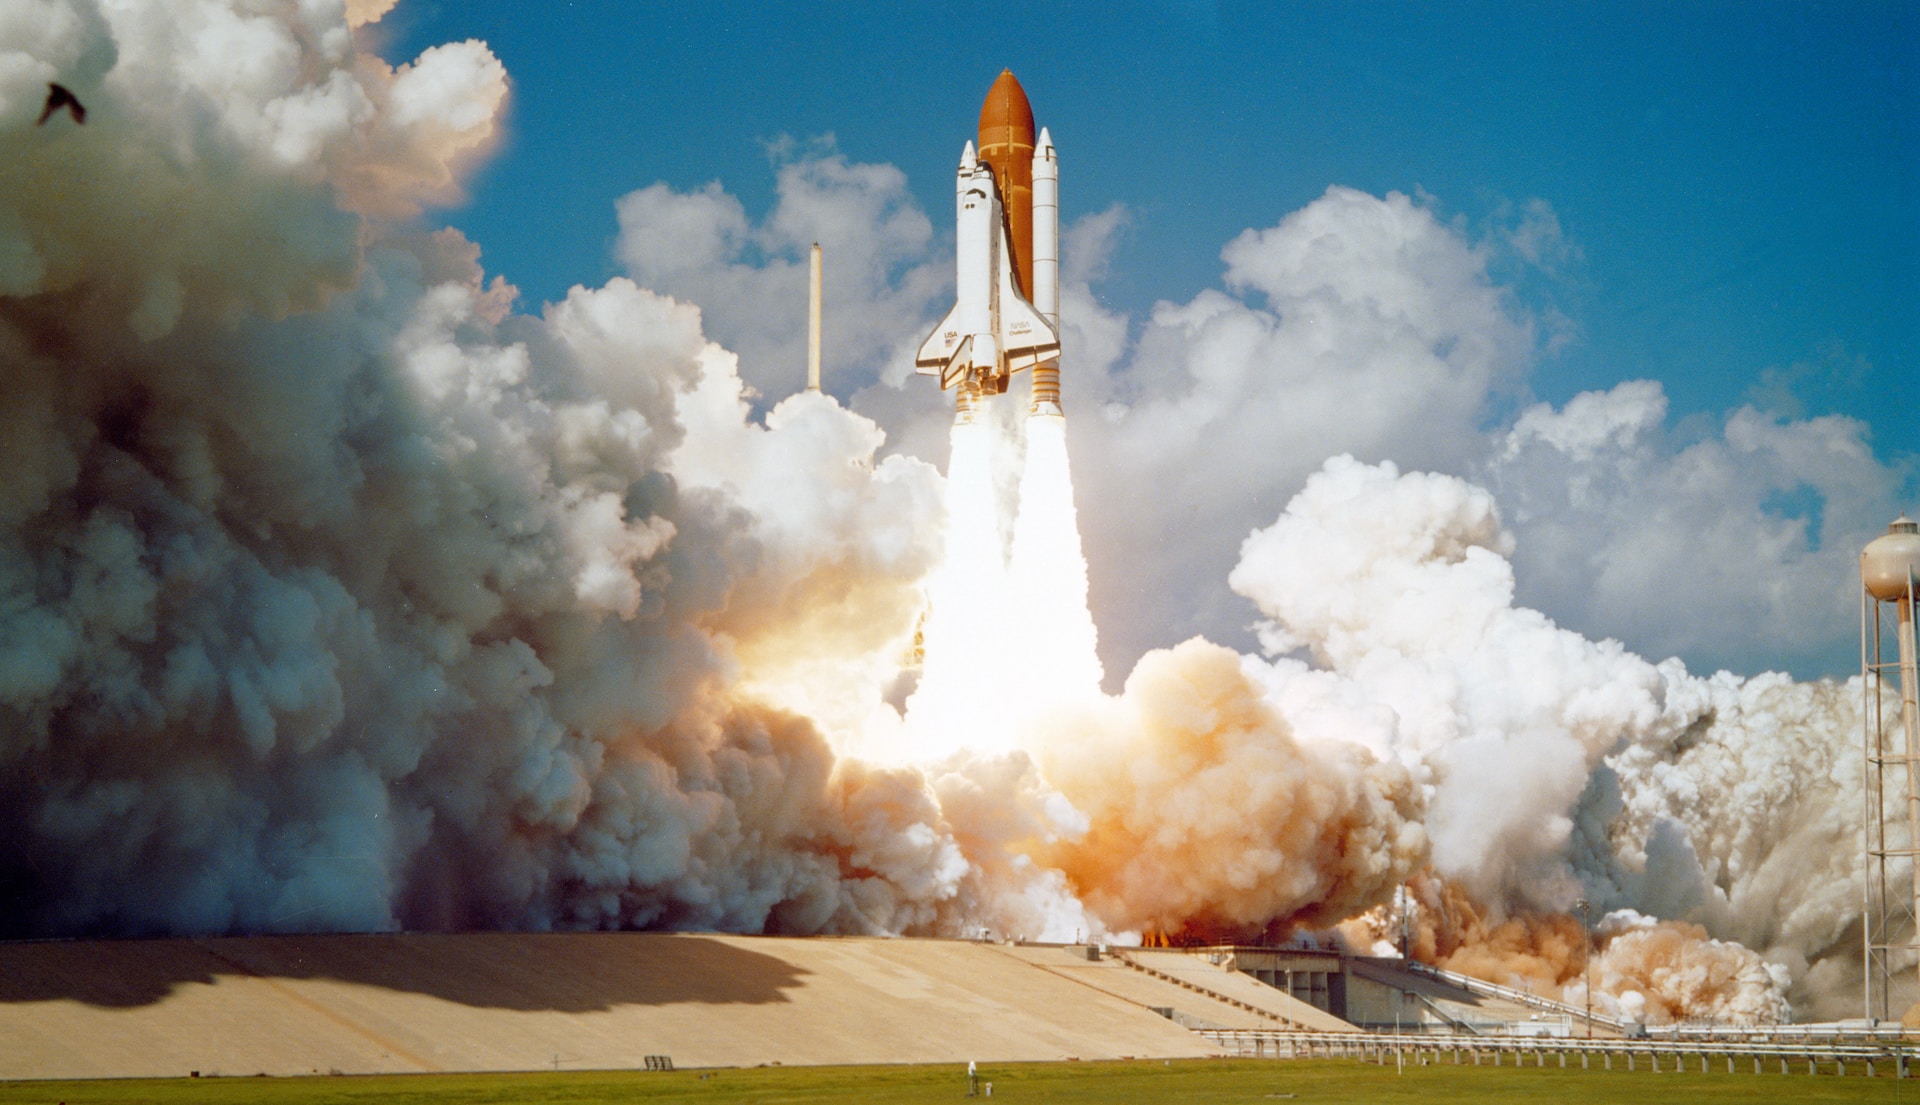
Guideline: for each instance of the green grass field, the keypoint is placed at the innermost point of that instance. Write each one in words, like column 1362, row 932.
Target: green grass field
column 1311, row 1082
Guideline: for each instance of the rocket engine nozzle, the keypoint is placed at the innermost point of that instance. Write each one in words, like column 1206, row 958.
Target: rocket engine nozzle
column 1046, row 390
column 967, row 403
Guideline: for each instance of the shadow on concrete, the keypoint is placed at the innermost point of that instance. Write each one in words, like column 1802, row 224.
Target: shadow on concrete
column 558, row 972
column 1388, row 972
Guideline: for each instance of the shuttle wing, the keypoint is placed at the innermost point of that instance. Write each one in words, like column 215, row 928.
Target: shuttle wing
column 941, row 347
column 1026, row 338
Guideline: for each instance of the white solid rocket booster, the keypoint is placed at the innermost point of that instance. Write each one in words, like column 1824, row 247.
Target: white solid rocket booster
column 1046, row 268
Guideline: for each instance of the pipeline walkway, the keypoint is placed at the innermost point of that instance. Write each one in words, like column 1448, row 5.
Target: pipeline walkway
column 1519, row 997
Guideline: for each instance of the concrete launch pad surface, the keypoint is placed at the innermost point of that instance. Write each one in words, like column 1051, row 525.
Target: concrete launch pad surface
column 479, row 1002
column 1233, row 986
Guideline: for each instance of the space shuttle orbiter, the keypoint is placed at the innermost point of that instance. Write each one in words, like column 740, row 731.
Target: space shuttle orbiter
column 1006, row 316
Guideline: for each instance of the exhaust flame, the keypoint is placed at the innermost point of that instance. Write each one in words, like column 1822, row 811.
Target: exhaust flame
column 1009, row 639
column 1057, row 661
column 961, row 703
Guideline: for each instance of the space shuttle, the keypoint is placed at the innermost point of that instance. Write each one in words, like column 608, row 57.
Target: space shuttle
column 1006, row 316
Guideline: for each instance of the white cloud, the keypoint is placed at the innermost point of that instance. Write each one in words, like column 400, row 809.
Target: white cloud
column 881, row 284
column 1376, row 332
column 1737, row 549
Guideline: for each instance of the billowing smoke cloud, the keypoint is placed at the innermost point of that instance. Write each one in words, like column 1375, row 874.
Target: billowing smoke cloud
column 1400, row 583
column 1358, row 325
column 1560, row 767
column 1193, row 760
column 1660, row 972
column 335, row 594
column 1639, row 968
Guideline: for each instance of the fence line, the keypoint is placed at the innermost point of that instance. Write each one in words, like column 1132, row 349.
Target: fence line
column 1656, row 1055
column 1812, row 1033
column 1823, row 1033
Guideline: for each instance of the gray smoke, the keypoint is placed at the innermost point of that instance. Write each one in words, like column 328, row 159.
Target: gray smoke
column 333, row 594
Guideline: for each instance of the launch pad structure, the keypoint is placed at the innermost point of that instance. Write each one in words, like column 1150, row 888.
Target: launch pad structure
column 1890, row 579
column 417, row 1003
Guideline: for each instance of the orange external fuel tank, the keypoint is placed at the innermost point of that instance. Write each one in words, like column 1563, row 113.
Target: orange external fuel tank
column 1006, row 144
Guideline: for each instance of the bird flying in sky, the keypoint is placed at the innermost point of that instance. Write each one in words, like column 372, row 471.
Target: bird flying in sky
column 58, row 97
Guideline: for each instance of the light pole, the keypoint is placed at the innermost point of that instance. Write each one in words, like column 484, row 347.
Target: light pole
column 1586, row 961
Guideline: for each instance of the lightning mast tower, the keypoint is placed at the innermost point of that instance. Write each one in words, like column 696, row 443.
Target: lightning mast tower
column 813, row 319
column 1890, row 582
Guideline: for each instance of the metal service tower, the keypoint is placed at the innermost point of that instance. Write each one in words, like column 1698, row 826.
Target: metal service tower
column 1889, row 582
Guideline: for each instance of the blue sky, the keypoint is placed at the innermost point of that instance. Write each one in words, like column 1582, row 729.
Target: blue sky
column 1742, row 181
column 1736, row 188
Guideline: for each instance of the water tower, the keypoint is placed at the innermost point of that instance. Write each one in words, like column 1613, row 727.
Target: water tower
column 1889, row 581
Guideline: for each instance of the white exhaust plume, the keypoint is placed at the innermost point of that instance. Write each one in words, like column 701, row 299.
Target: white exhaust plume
column 961, row 701
column 1056, row 648
column 335, row 594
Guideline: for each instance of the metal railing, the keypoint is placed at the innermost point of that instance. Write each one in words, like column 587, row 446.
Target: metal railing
column 1784, row 1033
column 1809, row 1033
column 1867, row 1056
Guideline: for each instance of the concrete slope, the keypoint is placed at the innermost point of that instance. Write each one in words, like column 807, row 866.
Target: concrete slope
column 1203, row 994
column 1196, row 970
column 1110, row 976
column 301, row 1005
